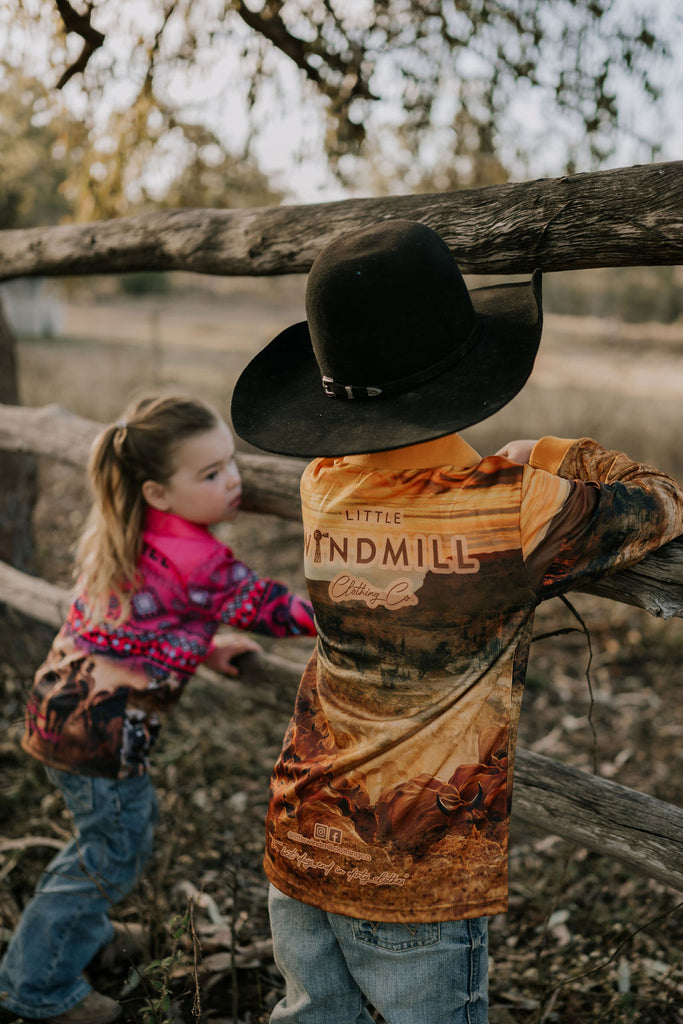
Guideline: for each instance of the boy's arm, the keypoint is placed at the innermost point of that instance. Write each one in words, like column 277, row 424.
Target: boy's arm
column 614, row 513
column 518, row 451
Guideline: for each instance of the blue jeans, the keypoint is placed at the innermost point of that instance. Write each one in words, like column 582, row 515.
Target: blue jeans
column 66, row 922
column 333, row 966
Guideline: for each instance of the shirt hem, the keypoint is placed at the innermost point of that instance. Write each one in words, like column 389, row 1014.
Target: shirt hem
column 80, row 767
column 441, row 912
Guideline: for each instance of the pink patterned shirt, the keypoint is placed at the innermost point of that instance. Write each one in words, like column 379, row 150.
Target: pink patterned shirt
column 96, row 701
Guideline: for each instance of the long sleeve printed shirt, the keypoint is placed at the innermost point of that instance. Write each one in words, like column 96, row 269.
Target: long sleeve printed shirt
column 391, row 797
column 98, row 699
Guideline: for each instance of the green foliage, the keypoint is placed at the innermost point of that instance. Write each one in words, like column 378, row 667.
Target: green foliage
column 212, row 177
column 56, row 167
column 155, row 978
column 427, row 94
column 147, row 156
column 33, row 155
column 427, row 62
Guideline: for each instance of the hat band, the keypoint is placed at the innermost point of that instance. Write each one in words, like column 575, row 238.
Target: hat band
column 333, row 389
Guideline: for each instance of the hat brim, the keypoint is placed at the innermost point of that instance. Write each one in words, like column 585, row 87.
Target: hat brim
column 279, row 404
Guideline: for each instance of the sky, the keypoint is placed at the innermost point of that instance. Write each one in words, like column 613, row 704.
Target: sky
column 289, row 140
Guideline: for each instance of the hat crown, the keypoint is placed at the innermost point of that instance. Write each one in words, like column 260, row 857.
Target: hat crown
column 386, row 304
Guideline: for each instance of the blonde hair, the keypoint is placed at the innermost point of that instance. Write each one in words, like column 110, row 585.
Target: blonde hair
column 141, row 446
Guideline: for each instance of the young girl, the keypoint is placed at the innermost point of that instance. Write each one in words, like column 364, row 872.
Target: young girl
column 153, row 587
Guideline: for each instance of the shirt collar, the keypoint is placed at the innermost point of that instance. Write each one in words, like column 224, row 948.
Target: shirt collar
column 450, row 450
column 171, row 525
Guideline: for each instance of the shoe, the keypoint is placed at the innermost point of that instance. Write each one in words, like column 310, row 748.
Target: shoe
column 129, row 943
column 92, row 1009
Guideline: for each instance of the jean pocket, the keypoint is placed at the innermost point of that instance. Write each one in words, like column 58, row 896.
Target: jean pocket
column 397, row 936
column 78, row 791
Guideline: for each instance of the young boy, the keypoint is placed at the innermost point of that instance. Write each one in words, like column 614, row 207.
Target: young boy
column 387, row 829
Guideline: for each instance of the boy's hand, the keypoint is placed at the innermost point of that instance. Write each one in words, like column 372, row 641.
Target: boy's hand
column 517, row 451
column 225, row 649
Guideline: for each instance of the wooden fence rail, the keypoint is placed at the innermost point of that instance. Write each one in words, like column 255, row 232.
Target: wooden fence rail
column 629, row 216
column 641, row 832
column 271, row 485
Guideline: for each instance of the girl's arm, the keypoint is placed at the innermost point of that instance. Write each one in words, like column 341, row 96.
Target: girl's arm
column 228, row 591
column 266, row 606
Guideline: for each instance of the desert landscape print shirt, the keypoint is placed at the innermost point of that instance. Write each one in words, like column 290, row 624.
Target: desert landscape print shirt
column 99, row 698
column 391, row 797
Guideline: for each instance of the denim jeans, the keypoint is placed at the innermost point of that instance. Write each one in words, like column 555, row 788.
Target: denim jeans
column 66, row 922
column 333, row 966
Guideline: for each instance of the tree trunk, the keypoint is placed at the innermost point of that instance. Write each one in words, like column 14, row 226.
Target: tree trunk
column 18, row 472
column 626, row 217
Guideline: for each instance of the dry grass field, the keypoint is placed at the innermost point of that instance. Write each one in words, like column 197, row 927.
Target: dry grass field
column 586, row 941
column 621, row 382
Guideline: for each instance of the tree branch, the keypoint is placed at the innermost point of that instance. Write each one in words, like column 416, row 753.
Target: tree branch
column 79, row 24
column 275, row 31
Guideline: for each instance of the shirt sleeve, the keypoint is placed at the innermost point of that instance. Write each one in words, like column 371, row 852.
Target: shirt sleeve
column 232, row 593
column 614, row 513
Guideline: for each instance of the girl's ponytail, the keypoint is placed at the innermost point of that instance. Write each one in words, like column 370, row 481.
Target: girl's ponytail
column 124, row 455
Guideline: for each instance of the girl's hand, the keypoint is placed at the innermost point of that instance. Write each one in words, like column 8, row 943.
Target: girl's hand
column 517, row 451
column 225, row 649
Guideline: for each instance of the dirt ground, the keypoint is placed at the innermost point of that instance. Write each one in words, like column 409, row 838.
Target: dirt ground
column 585, row 939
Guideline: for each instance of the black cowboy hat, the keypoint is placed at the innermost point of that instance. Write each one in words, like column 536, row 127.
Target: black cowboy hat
column 395, row 350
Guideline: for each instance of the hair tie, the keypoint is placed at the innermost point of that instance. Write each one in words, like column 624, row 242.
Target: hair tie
column 120, row 436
